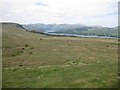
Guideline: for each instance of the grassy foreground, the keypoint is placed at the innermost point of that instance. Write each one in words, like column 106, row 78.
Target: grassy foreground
column 33, row 60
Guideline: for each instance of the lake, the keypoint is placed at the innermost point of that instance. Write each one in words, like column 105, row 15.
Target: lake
column 76, row 35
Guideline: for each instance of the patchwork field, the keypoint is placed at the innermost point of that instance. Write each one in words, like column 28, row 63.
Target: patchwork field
column 32, row 60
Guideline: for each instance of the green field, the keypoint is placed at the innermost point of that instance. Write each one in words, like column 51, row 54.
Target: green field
column 32, row 60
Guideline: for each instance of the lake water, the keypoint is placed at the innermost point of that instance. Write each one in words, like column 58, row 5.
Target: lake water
column 86, row 36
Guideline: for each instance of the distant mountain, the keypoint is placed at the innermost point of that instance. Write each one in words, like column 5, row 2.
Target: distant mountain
column 72, row 29
column 51, row 27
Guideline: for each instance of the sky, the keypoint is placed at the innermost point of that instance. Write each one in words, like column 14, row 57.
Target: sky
column 87, row 12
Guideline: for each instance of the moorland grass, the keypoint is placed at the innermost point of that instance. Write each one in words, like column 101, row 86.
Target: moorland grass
column 32, row 60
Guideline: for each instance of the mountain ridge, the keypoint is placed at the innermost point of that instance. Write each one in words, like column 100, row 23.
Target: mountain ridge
column 78, row 29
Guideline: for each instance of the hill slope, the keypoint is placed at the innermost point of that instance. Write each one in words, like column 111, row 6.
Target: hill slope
column 38, row 61
column 73, row 29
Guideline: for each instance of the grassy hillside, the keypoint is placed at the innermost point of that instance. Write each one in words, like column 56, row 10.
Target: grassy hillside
column 32, row 60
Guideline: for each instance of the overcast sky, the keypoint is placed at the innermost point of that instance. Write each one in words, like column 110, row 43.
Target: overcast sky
column 87, row 12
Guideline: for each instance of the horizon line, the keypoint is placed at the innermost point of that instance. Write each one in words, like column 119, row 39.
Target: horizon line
column 59, row 24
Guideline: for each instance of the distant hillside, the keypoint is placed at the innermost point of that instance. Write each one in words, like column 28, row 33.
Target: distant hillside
column 73, row 29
